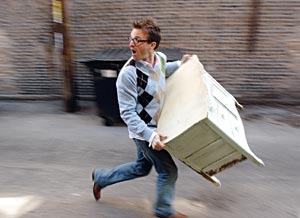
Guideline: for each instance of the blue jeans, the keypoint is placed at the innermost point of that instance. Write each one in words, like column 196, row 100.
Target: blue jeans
column 146, row 158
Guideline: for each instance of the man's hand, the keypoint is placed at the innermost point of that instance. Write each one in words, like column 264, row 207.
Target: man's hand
column 156, row 142
column 185, row 58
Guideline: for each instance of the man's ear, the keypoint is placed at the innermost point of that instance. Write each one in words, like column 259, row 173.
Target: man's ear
column 153, row 45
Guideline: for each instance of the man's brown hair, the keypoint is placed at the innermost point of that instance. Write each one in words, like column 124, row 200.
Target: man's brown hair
column 150, row 27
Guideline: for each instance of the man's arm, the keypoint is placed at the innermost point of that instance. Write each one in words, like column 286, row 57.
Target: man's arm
column 172, row 66
column 127, row 99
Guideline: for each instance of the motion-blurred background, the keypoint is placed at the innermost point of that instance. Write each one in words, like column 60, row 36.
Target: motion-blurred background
column 252, row 47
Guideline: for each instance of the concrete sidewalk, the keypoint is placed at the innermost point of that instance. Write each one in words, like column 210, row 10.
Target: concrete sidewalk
column 47, row 156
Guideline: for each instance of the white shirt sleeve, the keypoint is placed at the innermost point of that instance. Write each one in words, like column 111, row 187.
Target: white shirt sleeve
column 151, row 138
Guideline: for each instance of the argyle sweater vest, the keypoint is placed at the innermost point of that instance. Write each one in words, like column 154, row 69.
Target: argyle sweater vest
column 140, row 92
column 150, row 94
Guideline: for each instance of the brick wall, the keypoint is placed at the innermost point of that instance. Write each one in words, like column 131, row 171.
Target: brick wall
column 27, row 66
column 219, row 32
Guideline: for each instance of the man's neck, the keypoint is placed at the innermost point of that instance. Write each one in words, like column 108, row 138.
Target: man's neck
column 151, row 59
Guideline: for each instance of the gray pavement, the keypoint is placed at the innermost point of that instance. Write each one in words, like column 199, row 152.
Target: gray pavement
column 47, row 156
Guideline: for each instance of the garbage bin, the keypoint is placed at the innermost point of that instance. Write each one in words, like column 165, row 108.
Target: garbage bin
column 106, row 96
column 105, row 67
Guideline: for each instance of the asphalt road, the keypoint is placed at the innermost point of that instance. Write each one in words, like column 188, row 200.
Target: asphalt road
column 47, row 156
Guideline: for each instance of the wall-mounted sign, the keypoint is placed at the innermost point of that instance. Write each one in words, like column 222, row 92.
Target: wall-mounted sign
column 57, row 11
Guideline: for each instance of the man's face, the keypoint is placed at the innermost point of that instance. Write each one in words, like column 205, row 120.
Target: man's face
column 141, row 50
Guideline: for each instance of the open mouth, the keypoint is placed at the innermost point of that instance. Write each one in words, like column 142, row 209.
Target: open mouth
column 133, row 52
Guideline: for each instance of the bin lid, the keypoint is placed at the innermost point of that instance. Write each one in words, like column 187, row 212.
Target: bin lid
column 123, row 54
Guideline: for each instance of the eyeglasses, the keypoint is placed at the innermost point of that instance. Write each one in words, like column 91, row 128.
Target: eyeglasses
column 136, row 41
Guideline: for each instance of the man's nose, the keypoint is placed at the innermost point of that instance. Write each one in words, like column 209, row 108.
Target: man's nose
column 131, row 44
